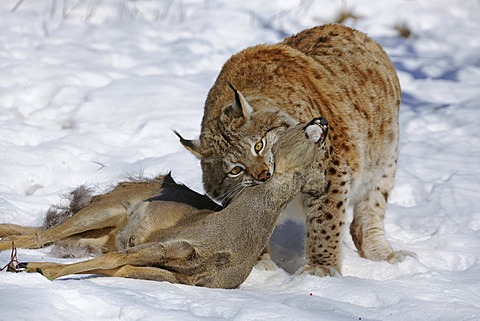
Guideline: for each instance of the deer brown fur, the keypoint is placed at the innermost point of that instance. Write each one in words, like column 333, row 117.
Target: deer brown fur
column 159, row 230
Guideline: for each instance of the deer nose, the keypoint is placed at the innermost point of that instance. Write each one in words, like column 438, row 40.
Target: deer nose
column 264, row 175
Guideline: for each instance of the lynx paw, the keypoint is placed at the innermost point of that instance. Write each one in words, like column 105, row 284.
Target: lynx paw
column 265, row 262
column 399, row 256
column 319, row 270
column 266, row 265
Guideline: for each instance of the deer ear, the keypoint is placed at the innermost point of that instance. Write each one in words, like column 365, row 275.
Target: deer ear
column 317, row 130
column 191, row 145
column 240, row 106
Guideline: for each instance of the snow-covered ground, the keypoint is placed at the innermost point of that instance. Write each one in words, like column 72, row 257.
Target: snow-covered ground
column 90, row 89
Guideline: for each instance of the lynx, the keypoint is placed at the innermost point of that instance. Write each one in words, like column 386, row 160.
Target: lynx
column 333, row 71
column 170, row 233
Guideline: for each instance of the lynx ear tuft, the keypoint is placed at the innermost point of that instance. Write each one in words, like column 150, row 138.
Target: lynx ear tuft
column 191, row 145
column 240, row 106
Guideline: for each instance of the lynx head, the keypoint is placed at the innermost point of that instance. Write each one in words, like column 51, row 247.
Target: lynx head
column 235, row 149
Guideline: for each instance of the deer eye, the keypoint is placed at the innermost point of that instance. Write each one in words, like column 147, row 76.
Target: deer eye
column 236, row 170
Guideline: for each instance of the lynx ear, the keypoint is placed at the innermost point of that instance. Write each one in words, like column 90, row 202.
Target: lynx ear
column 192, row 145
column 240, row 106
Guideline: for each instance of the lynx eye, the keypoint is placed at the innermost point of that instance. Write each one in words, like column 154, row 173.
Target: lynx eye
column 236, row 170
column 258, row 146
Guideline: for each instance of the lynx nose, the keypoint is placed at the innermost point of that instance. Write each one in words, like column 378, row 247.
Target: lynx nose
column 264, row 175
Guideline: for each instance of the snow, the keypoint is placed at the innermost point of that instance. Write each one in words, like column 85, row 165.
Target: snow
column 89, row 93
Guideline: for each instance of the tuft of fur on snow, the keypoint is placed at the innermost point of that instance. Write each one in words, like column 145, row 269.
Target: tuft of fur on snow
column 57, row 214
column 68, row 252
column 76, row 200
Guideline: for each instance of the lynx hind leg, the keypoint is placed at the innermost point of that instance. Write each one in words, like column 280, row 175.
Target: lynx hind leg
column 367, row 228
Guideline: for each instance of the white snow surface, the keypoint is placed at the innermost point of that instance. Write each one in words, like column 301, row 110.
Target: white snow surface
column 89, row 93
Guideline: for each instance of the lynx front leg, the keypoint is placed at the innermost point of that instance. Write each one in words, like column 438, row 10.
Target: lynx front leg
column 324, row 226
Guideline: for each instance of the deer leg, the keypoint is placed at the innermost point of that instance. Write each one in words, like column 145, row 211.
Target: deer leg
column 137, row 272
column 87, row 219
column 142, row 255
column 14, row 229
